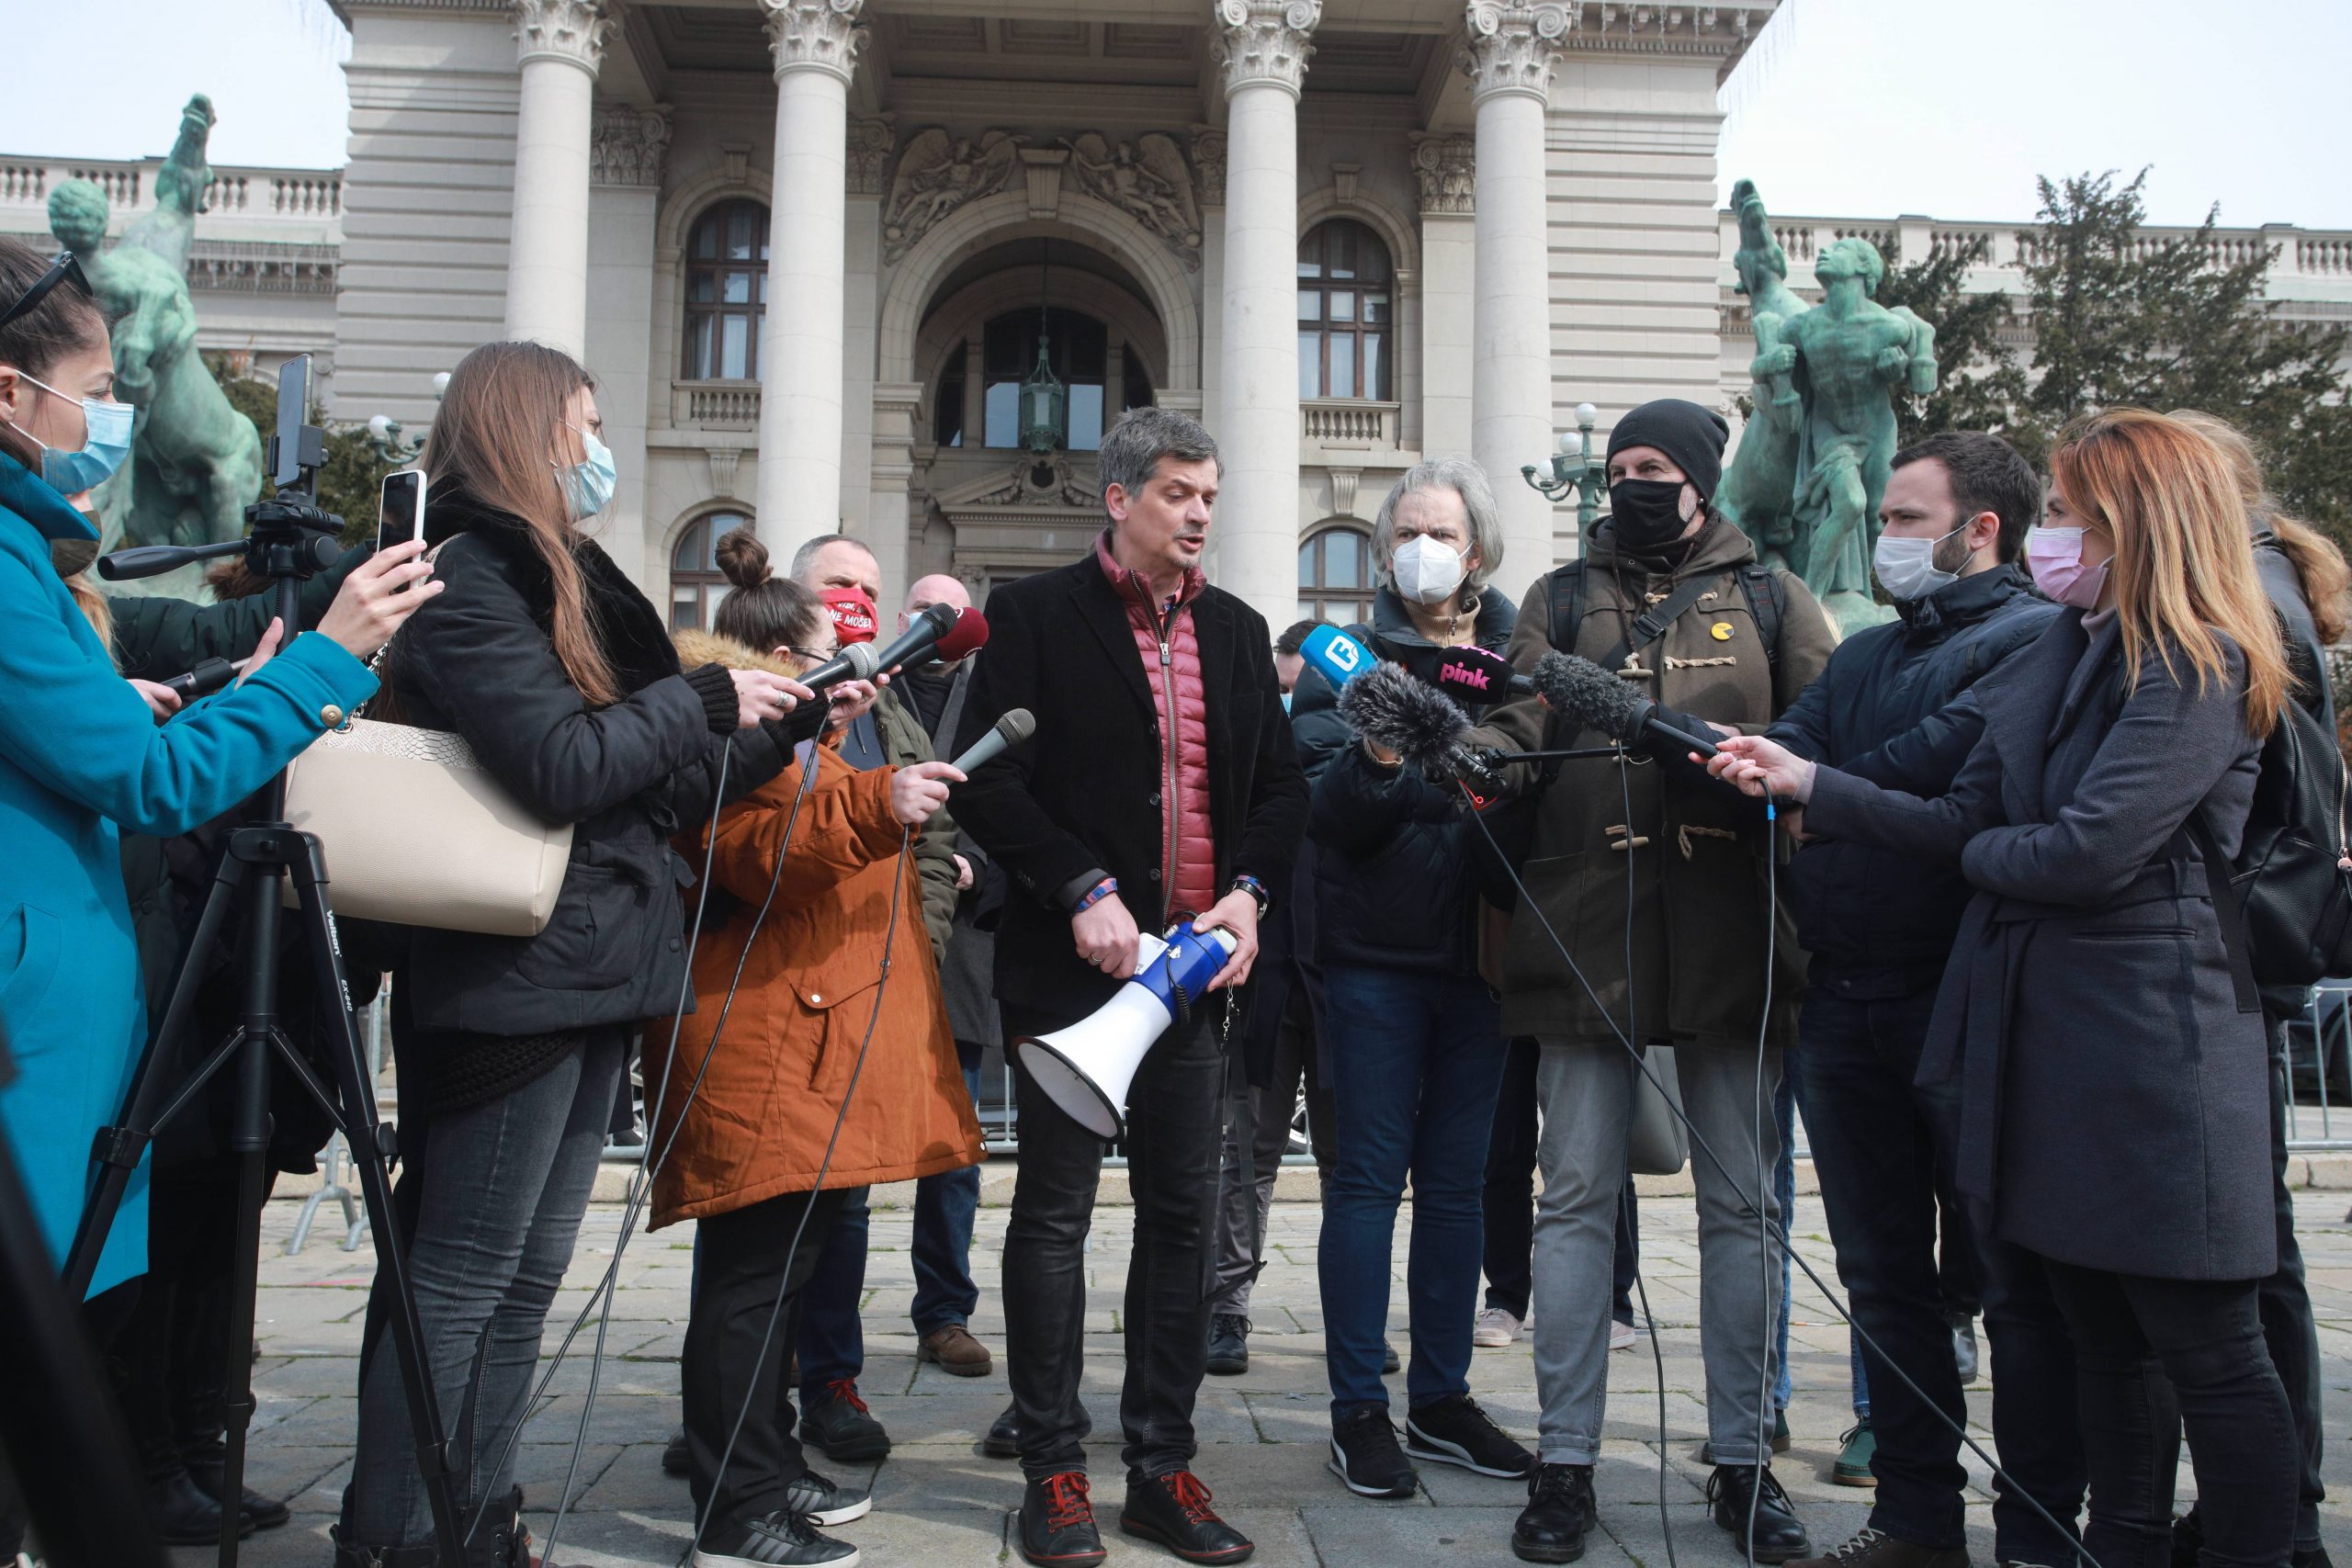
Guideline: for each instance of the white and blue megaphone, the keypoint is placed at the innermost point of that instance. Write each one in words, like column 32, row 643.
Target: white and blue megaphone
column 1086, row 1068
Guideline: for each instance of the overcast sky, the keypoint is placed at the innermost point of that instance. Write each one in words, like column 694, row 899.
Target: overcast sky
column 1846, row 108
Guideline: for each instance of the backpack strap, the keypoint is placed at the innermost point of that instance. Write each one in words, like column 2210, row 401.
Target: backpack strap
column 2229, row 905
column 1568, row 610
column 1760, row 586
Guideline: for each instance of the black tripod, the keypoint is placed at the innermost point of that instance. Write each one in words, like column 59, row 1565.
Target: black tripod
column 290, row 541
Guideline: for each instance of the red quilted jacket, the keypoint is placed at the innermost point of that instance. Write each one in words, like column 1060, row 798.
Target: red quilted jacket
column 1171, row 666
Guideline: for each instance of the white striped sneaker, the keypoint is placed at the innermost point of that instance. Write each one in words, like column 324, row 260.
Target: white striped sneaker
column 1494, row 1328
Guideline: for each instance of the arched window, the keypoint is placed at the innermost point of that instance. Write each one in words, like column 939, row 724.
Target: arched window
column 1335, row 577
column 697, row 585
column 1345, row 312
column 727, row 292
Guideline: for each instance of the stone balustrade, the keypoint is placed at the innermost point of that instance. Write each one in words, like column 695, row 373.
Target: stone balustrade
column 311, row 199
column 2009, row 249
column 714, row 405
column 1349, row 421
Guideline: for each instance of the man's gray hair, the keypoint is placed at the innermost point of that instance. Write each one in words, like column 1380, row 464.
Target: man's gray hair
column 1132, row 450
column 806, row 555
column 1466, row 479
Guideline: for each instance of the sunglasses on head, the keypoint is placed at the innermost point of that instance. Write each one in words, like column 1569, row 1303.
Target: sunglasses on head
column 65, row 269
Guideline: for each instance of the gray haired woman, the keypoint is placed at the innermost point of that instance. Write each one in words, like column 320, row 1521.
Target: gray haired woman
column 1414, row 1035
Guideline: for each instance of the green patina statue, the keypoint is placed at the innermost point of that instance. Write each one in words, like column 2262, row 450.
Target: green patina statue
column 1825, row 411
column 196, row 462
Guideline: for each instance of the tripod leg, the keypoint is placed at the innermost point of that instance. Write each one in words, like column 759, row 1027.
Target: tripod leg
column 120, row 1147
column 356, row 1118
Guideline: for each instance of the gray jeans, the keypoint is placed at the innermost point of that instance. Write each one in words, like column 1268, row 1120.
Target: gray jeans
column 1586, row 1096
column 505, row 1185
column 1256, row 1133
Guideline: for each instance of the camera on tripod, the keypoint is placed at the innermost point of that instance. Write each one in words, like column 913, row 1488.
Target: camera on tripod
column 287, row 537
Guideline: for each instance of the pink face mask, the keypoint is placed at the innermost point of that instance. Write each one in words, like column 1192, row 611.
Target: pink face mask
column 2054, row 556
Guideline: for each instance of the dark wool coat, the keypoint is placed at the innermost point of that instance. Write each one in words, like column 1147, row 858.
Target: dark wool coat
column 478, row 659
column 1084, row 793
column 2115, row 1107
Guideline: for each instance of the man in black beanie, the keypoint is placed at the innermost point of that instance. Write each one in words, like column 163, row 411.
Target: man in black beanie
column 1672, row 599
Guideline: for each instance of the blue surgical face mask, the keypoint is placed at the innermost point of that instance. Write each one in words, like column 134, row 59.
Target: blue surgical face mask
column 1286, row 696
column 102, row 449
column 588, row 485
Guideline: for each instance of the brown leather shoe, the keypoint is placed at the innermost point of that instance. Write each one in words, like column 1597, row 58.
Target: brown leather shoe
column 958, row 1353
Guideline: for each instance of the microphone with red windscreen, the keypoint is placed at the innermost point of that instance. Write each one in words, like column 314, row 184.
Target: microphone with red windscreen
column 968, row 636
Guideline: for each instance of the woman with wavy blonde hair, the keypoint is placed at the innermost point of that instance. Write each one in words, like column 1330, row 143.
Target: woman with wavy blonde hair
column 2106, row 1073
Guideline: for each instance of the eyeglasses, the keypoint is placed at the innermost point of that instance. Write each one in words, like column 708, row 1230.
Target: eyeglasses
column 814, row 655
column 66, row 268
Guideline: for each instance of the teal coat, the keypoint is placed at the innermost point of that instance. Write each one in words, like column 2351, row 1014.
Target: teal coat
column 80, row 755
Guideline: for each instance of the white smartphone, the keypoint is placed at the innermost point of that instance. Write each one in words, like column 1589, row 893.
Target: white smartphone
column 400, row 516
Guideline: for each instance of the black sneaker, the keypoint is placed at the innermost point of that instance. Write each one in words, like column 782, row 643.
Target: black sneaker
column 1876, row 1549
column 1558, row 1516
column 1737, row 1490
column 1229, row 1344
column 1389, row 1360
column 824, row 1503
column 1173, row 1509
column 1365, row 1456
column 209, row 1474
column 676, row 1459
column 781, row 1540
column 1455, row 1431
column 1058, row 1527
column 838, row 1422
column 1003, row 1440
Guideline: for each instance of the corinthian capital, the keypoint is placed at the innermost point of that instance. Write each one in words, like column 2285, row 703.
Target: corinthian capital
column 815, row 35
column 572, row 30
column 1264, row 41
column 1513, row 46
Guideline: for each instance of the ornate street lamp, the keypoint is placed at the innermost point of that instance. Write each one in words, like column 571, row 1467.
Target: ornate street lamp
column 391, row 445
column 1044, row 397
column 1576, row 468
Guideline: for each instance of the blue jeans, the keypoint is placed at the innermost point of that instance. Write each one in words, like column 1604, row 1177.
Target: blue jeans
column 945, row 1207
column 832, row 1334
column 1417, row 1062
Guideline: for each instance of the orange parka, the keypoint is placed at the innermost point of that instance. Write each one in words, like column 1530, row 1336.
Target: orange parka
column 775, row 1082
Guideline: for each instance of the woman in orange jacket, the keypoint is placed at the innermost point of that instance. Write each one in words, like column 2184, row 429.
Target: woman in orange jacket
column 834, row 1058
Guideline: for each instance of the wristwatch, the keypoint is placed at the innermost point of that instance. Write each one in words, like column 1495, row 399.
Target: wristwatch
column 1256, row 889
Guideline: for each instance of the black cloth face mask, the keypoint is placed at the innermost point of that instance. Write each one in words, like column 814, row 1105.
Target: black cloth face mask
column 1647, row 514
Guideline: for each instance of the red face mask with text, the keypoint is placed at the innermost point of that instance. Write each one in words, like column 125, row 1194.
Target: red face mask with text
column 854, row 617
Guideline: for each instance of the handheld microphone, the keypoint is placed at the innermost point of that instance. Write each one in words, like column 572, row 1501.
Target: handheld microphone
column 1011, row 730
column 1590, row 697
column 863, row 660
column 1478, row 676
column 1336, row 656
column 209, row 676
column 1415, row 721
column 968, row 636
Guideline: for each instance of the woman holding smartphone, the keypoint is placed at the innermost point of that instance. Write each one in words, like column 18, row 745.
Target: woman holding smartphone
column 561, row 677
column 2113, row 1108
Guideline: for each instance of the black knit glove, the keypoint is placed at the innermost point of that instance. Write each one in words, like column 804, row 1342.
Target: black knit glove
column 715, row 687
column 803, row 723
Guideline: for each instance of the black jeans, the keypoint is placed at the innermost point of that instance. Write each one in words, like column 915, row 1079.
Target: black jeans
column 1509, row 1203
column 744, row 1262
column 2154, row 1353
column 1874, row 1151
column 1175, row 1127
column 174, row 1351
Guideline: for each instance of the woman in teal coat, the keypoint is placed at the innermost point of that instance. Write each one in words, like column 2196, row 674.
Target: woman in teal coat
column 80, row 755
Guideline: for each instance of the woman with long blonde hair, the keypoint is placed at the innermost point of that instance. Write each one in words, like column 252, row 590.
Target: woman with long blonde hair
column 2108, row 1073
column 561, row 677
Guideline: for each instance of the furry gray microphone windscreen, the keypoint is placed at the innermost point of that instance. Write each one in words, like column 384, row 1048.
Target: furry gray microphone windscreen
column 1418, row 723
column 1588, row 697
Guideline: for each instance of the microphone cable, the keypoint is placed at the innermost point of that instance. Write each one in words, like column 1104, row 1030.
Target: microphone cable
column 1699, row 1142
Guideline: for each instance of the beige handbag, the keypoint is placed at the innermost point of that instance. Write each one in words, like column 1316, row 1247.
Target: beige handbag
column 416, row 832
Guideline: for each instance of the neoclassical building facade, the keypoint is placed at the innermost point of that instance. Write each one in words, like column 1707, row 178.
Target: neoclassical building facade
column 814, row 251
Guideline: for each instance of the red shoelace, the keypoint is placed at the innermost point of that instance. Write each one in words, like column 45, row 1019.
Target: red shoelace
column 1191, row 1496
column 846, row 1389
column 1066, row 1501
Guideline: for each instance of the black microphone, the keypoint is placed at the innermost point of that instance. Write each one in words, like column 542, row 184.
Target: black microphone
column 1479, row 676
column 1011, row 730
column 1414, row 720
column 863, row 660
column 209, row 676
column 1592, row 698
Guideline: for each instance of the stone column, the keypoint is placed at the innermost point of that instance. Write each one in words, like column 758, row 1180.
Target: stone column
column 1262, row 47
column 561, row 47
column 630, row 143
column 816, row 44
column 1511, row 52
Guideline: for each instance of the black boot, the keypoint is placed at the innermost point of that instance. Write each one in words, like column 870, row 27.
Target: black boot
column 1173, row 1509
column 349, row 1556
column 1003, row 1440
column 500, row 1541
column 186, row 1515
column 1738, row 1490
column 1559, row 1513
column 1058, row 1527
column 263, row 1513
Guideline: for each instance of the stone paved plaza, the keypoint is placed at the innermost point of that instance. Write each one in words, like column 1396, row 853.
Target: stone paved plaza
column 941, row 1504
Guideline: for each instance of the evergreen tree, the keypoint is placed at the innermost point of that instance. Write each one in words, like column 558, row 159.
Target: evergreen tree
column 349, row 480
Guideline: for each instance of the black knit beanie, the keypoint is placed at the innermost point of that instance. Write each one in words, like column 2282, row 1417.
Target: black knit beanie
column 1693, row 436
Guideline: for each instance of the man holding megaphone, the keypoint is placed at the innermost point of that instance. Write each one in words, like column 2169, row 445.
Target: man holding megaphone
column 1161, row 790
